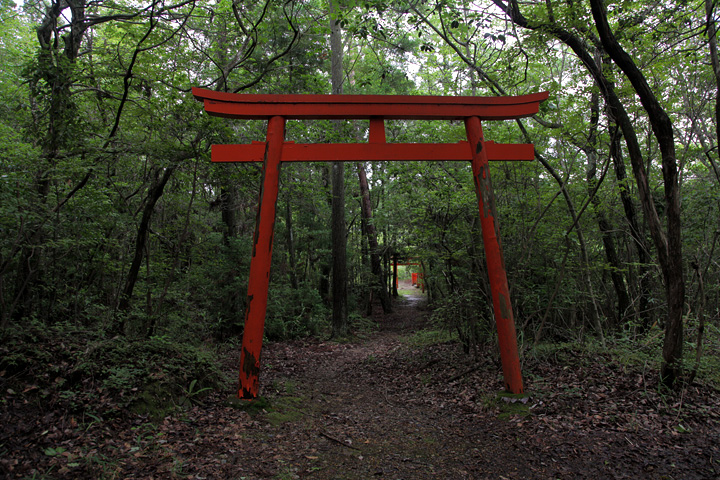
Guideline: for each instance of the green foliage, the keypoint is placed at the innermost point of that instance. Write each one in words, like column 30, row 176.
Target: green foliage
column 157, row 366
column 83, row 370
column 192, row 394
column 53, row 452
column 293, row 313
column 84, row 138
column 467, row 314
column 708, row 368
column 630, row 351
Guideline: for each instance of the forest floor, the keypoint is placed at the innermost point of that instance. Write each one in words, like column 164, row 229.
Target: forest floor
column 396, row 404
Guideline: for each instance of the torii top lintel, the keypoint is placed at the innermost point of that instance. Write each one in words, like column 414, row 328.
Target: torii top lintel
column 410, row 107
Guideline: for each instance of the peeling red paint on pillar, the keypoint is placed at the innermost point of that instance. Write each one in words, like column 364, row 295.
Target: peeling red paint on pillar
column 260, row 262
column 496, row 265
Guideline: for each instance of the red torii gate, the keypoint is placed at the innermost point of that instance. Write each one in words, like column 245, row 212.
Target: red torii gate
column 406, row 264
column 276, row 109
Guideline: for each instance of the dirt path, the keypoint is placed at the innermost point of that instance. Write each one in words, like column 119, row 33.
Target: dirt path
column 363, row 418
column 351, row 411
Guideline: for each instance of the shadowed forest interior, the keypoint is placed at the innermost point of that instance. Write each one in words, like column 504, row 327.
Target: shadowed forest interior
column 125, row 252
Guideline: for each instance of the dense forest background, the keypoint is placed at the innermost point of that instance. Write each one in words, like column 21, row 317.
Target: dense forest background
column 119, row 235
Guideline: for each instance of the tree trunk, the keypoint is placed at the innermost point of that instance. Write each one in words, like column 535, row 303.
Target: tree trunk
column 55, row 66
column 290, row 240
column 339, row 262
column 228, row 209
column 594, row 316
column 642, row 271
column 179, row 251
column 338, row 235
column 367, row 293
column 395, row 276
column 325, row 263
column 378, row 282
column 623, row 299
column 712, row 40
column 669, row 247
column 154, row 194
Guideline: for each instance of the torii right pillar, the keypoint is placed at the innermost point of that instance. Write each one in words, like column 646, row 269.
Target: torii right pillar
column 502, row 306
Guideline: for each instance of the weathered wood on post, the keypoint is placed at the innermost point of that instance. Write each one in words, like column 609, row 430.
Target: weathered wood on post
column 260, row 262
column 502, row 306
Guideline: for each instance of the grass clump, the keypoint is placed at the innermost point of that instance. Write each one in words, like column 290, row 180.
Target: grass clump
column 287, row 409
column 413, row 292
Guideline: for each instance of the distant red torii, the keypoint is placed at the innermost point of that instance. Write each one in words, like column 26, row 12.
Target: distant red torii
column 276, row 109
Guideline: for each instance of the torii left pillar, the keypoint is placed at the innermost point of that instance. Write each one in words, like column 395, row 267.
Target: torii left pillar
column 261, row 260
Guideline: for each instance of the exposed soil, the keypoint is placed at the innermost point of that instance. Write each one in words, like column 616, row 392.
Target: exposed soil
column 384, row 407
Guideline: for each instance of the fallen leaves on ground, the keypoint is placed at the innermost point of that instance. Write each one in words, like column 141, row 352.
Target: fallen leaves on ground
column 384, row 408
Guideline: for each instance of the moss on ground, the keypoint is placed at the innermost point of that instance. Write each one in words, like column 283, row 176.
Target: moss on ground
column 250, row 406
column 287, row 409
column 508, row 405
column 284, row 406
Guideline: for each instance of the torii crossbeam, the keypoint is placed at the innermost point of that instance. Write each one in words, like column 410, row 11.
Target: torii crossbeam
column 276, row 109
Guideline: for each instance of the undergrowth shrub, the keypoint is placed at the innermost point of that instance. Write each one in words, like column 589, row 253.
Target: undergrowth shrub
column 467, row 314
column 80, row 369
column 150, row 372
column 641, row 352
column 293, row 313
